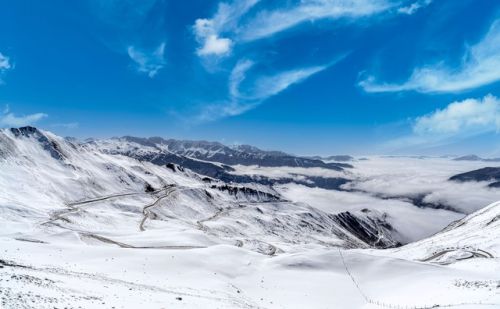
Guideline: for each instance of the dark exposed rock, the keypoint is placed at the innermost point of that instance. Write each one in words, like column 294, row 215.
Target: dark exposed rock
column 494, row 185
column 373, row 231
column 174, row 167
column 483, row 174
column 247, row 192
column 47, row 144
column 148, row 188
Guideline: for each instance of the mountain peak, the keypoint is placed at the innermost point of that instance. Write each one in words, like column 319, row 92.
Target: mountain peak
column 27, row 131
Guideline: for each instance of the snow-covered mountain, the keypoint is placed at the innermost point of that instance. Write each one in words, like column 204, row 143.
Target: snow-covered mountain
column 238, row 154
column 64, row 176
column 474, row 236
column 214, row 159
column 125, row 223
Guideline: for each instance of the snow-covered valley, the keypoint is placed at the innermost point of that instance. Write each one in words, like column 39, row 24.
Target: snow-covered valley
column 153, row 223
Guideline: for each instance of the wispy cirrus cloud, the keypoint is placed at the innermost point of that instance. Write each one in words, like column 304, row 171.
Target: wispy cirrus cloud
column 479, row 67
column 5, row 65
column 233, row 24
column 414, row 7
column 268, row 86
column 136, row 28
column 9, row 119
column 457, row 121
column 148, row 62
column 268, row 23
column 247, row 92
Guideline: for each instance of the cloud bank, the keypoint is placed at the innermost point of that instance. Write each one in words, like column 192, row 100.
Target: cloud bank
column 9, row 119
column 470, row 116
column 479, row 67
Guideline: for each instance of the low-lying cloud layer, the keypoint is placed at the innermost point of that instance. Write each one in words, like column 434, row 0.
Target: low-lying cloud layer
column 391, row 185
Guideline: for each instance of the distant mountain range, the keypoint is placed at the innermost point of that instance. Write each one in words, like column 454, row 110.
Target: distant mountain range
column 230, row 155
column 338, row 158
column 214, row 159
column 476, row 158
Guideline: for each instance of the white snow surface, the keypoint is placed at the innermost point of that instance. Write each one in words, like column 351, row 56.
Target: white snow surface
column 82, row 232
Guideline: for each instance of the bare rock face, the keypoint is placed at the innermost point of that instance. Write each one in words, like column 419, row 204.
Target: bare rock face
column 374, row 231
column 46, row 142
column 483, row 174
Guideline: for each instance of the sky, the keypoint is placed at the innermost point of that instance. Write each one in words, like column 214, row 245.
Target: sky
column 304, row 76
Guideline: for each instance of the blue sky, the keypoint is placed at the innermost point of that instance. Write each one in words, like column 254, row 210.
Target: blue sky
column 308, row 77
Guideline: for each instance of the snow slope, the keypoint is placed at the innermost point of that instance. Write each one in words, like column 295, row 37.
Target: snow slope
column 476, row 235
column 87, row 228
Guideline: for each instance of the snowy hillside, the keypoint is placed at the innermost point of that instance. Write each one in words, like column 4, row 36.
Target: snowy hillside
column 96, row 195
column 475, row 236
column 126, row 224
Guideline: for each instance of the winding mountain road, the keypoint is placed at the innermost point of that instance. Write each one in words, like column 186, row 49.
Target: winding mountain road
column 474, row 253
column 146, row 210
column 73, row 206
column 124, row 245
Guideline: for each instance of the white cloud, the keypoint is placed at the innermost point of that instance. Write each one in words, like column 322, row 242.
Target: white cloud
column 405, row 176
column 8, row 119
column 238, row 74
column 267, row 86
column 256, row 90
column 210, row 32
column 214, row 45
column 219, row 34
column 457, row 121
column 414, row 7
column 479, row 67
column 148, row 63
column 4, row 62
column 5, row 65
column 470, row 116
column 268, row 23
